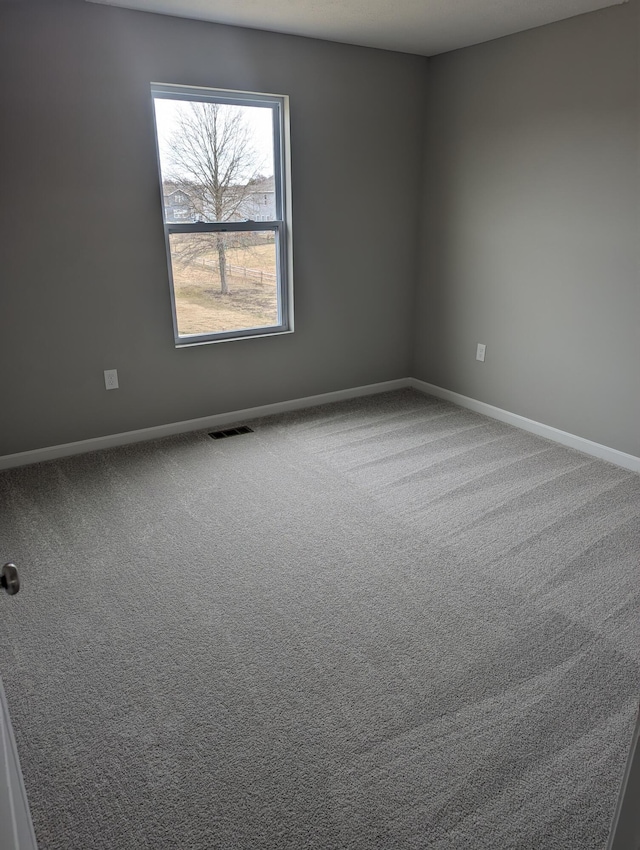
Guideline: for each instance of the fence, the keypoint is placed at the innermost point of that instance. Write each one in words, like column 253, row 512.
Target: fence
column 252, row 274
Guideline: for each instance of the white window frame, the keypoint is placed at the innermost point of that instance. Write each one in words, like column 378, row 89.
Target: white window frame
column 281, row 225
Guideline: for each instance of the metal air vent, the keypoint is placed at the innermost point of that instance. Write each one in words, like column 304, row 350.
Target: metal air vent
column 231, row 432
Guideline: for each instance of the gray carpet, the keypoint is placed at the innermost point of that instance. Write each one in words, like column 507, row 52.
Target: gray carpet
column 388, row 623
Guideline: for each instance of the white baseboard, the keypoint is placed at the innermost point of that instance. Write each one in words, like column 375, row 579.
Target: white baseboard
column 571, row 440
column 218, row 420
column 201, row 424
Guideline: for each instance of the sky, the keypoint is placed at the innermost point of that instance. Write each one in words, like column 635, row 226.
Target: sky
column 259, row 119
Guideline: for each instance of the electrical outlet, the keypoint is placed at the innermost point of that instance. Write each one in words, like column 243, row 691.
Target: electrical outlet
column 111, row 379
column 480, row 352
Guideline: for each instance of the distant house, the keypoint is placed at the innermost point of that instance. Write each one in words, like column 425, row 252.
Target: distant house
column 177, row 205
column 260, row 203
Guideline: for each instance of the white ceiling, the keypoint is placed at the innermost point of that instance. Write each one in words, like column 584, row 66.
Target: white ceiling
column 412, row 26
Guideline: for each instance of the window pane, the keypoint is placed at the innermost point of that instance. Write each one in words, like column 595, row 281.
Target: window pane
column 217, row 161
column 224, row 281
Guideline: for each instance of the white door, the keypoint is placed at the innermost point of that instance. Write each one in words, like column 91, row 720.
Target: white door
column 625, row 832
column 16, row 829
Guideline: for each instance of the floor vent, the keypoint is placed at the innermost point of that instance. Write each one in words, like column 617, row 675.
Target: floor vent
column 231, row 432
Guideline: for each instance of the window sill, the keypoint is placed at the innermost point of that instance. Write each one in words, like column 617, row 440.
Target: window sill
column 257, row 335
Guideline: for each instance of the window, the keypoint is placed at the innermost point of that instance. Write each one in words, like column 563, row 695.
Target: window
column 229, row 264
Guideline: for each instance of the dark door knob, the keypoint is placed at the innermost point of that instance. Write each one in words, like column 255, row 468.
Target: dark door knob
column 9, row 579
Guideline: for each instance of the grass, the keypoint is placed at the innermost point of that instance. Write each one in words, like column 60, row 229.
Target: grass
column 200, row 306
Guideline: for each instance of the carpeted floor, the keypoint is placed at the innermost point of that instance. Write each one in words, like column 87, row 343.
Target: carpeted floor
column 389, row 623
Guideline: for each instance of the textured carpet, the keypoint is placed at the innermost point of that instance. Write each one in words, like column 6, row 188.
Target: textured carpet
column 389, row 623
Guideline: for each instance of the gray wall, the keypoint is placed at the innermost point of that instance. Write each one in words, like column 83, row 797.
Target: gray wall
column 529, row 237
column 531, row 226
column 84, row 279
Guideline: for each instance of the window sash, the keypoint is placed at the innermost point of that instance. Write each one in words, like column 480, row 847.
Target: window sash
column 283, row 323
column 223, row 226
column 167, row 91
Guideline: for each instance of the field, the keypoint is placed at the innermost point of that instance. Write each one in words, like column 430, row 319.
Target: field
column 252, row 298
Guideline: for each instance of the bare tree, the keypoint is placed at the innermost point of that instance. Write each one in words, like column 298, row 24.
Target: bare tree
column 214, row 162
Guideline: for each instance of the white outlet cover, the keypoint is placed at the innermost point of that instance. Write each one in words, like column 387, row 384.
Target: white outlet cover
column 111, row 379
column 480, row 352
